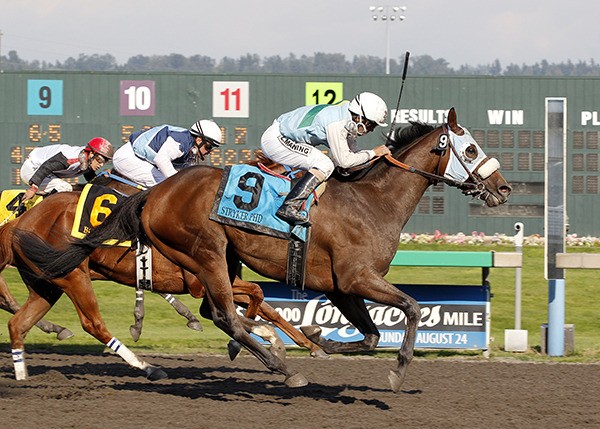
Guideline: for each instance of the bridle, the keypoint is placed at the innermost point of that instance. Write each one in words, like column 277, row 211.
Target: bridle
column 472, row 186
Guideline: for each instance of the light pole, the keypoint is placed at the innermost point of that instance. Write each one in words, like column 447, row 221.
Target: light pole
column 387, row 13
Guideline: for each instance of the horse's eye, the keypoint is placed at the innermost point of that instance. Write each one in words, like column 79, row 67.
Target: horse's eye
column 471, row 152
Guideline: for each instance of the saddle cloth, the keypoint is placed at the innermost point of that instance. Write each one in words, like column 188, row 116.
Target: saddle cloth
column 249, row 196
column 94, row 205
column 10, row 204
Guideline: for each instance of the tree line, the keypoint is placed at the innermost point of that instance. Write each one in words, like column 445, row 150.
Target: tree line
column 319, row 63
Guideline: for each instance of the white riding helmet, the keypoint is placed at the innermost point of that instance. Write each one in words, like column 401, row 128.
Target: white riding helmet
column 370, row 106
column 207, row 129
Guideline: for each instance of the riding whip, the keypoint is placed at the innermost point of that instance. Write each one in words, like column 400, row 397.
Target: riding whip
column 399, row 97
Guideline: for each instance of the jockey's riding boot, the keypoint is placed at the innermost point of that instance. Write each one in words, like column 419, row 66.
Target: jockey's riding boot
column 291, row 207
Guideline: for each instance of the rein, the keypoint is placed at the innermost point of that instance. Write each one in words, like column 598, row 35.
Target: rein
column 430, row 176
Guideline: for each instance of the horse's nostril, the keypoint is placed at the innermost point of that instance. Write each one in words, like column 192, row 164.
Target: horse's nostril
column 505, row 190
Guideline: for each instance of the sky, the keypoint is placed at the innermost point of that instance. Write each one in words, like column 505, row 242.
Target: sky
column 463, row 32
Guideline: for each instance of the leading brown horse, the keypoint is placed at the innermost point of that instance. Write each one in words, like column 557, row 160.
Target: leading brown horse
column 355, row 234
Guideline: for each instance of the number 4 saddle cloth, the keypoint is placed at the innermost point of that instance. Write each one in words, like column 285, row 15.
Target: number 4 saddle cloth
column 249, row 196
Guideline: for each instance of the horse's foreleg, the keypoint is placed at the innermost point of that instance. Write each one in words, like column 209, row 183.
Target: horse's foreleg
column 61, row 332
column 355, row 310
column 412, row 311
column 377, row 289
column 253, row 292
column 182, row 309
column 78, row 287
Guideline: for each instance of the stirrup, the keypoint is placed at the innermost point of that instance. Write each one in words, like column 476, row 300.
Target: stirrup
column 292, row 216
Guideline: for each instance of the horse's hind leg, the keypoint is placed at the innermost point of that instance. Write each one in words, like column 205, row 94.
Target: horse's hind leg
column 10, row 304
column 225, row 317
column 253, row 292
column 78, row 287
column 268, row 313
column 138, row 315
column 181, row 308
column 31, row 312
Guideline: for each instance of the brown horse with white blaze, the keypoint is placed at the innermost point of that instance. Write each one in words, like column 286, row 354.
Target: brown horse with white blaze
column 355, row 234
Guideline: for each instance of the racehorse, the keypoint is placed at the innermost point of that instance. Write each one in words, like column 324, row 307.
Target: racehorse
column 15, row 208
column 53, row 219
column 354, row 235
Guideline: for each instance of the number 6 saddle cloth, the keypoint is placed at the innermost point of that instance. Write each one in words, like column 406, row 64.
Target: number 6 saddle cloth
column 94, row 205
column 249, row 196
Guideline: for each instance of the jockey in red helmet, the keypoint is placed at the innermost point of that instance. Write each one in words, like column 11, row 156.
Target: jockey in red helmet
column 46, row 167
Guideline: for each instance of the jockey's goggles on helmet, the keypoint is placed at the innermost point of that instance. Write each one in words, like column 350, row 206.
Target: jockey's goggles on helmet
column 100, row 159
column 209, row 143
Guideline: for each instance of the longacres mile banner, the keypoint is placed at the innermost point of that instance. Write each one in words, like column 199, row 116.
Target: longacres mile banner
column 452, row 317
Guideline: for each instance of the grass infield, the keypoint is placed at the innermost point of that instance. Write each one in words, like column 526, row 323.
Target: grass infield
column 165, row 331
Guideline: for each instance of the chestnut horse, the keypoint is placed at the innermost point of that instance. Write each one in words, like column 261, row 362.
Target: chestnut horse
column 355, row 233
column 9, row 303
column 53, row 219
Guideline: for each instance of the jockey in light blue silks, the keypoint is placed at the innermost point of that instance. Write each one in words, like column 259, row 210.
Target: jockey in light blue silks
column 292, row 139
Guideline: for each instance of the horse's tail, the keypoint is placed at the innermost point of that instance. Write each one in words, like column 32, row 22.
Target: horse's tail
column 123, row 224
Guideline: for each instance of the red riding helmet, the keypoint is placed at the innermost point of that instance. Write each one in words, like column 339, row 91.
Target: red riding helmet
column 100, row 146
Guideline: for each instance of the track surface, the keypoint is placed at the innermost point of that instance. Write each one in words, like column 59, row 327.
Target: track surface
column 209, row 391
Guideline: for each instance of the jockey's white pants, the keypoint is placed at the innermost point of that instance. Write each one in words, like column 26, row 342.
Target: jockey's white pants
column 50, row 183
column 294, row 154
column 136, row 169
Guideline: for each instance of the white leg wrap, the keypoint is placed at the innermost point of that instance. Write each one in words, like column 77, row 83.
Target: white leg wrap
column 19, row 363
column 128, row 356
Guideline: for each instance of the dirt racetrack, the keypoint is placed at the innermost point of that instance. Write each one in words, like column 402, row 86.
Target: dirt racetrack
column 208, row 391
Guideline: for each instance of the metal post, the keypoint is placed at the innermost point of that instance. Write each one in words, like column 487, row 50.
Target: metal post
column 554, row 220
column 519, row 249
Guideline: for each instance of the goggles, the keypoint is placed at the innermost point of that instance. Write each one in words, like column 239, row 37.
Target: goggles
column 100, row 159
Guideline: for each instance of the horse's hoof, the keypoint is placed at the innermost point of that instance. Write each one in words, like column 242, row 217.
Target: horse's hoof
column 135, row 332
column 64, row 334
column 396, row 379
column 296, row 380
column 154, row 374
column 195, row 325
column 234, row 348
column 312, row 332
column 319, row 353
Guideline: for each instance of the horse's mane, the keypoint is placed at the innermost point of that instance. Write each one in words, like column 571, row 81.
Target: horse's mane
column 402, row 137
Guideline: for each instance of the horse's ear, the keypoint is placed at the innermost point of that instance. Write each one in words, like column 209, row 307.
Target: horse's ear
column 452, row 123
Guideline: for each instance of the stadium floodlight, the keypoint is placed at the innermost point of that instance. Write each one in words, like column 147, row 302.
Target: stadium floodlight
column 387, row 13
